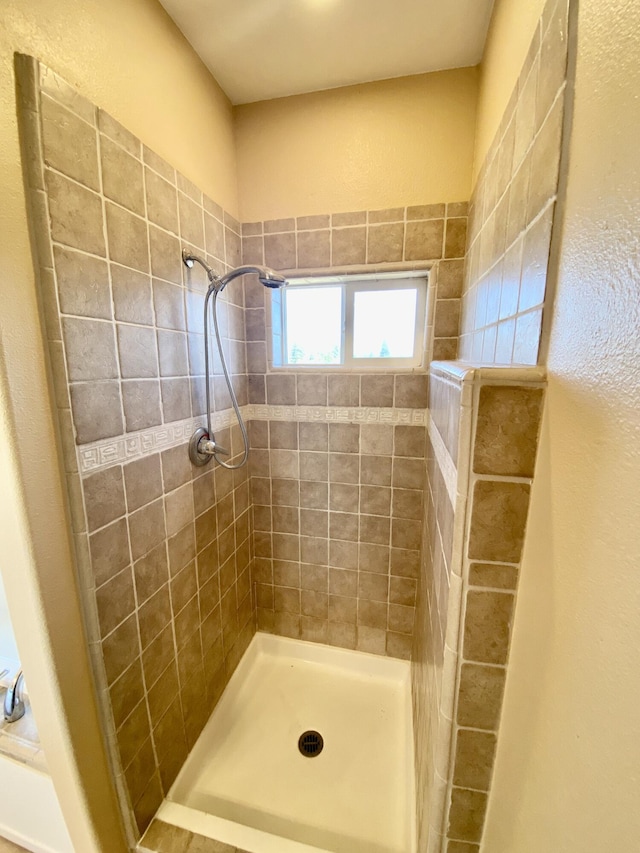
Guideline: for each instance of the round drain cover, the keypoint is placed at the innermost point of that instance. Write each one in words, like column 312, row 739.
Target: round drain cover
column 310, row 744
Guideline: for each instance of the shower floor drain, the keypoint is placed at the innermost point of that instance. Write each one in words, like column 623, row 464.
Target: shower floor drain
column 310, row 744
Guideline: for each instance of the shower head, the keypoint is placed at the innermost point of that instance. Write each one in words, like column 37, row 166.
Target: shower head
column 267, row 277
column 270, row 278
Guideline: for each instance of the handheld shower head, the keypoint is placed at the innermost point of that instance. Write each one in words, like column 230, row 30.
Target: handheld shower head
column 271, row 279
column 267, row 277
column 203, row 447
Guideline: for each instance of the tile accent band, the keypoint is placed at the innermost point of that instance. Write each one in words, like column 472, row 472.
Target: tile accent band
column 114, row 451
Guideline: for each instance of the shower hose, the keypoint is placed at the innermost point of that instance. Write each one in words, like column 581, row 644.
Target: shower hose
column 215, row 292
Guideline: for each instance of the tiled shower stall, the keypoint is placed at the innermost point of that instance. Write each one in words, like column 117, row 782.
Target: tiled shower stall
column 365, row 516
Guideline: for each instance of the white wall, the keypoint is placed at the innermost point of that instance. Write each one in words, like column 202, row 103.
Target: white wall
column 567, row 777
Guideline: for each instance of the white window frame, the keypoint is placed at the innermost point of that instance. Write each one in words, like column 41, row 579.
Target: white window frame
column 356, row 283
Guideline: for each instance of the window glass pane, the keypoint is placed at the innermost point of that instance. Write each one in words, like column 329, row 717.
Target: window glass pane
column 384, row 323
column 314, row 325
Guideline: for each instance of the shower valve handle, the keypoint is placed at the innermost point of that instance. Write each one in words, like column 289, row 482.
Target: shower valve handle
column 206, row 445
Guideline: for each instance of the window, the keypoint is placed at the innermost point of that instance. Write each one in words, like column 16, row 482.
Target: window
column 349, row 321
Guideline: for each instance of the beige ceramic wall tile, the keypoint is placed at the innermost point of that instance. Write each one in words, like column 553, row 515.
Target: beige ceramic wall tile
column 79, row 162
column 164, row 250
column 507, row 430
column 376, row 390
column 498, row 520
column 487, row 627
column 466, row 816
column 275, row 226
column 127, row 235
column 214, row 236
column 115, row 131
column 424, row 239
column 450, row 279
column 191, row 221
column 480, row 696
column 312, row 223
column 75, row 215
column 474, row 759
column 344, row 390
column 253, row 250
column 280, row 250
column 527, row 337
column 161, row 201
column 339, row 220
column 493, row 575
column 83, row 284
column 426, row 211
column 122, row 179
column 97, row 411
column 447, row 318
column 348, row 246
column 456, row 237
column 385, row 243
column 445, row 349
column 390, row 214
column 314, row 248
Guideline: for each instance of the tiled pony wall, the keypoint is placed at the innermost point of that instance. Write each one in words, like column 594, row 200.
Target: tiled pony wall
column 481, row 448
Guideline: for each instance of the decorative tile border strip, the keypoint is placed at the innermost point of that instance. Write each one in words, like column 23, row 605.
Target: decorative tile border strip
column 338, row 414
column 124, row 448
column 444, row 460
column 114, row 451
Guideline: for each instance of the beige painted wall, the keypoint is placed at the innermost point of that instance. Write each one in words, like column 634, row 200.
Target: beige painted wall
column 510, row 31
column 385, row 144
column 126, row 56
column 566, row 775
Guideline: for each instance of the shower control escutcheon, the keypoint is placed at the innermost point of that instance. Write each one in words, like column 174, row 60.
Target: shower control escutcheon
column 202, row 448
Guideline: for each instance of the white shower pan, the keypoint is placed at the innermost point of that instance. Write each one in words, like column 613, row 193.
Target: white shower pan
column 246, row 782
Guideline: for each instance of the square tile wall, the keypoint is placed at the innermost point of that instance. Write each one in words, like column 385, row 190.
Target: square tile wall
column 476, row 510
column 338, row 505
column 337, row 531
column 511, row 212
column 505, row 424
column 405, row 238
column 163, row 549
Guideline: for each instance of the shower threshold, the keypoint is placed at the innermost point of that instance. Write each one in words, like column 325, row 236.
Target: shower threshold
column 248, row 784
